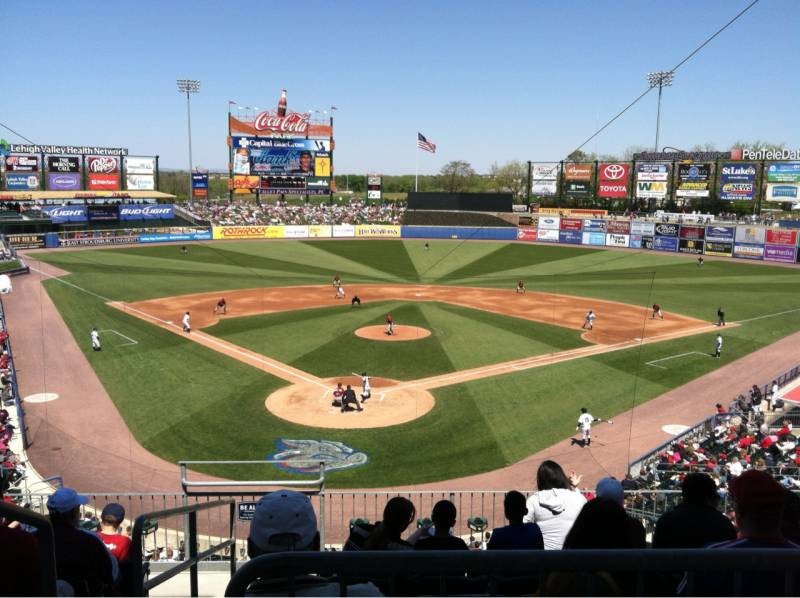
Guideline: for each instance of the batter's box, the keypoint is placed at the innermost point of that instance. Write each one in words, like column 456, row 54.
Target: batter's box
column 655, row 362
column 128, row 340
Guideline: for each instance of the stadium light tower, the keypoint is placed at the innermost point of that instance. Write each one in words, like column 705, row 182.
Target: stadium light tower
column 659, row 79
column 189, row 86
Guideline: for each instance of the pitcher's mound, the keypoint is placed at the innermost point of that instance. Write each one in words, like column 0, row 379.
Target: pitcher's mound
column 310, row 405
column 401, row 333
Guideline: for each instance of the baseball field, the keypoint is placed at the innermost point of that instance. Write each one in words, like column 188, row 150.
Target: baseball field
column 500, row 376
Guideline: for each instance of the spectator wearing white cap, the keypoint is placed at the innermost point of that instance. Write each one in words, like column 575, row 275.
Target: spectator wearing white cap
column 81, row 557
column 283, row 521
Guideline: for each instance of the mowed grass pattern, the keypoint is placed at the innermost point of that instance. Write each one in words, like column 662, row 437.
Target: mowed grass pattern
column 322, row 341
column 212, row 407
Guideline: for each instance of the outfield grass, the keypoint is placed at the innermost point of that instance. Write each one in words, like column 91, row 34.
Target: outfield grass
column 211, row 407
column 321, row 341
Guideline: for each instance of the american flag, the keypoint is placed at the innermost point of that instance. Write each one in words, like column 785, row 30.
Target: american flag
column 424, row 144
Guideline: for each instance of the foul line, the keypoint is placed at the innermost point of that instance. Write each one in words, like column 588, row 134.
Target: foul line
column 780, row 313
column 655, row 361
column 129, row 339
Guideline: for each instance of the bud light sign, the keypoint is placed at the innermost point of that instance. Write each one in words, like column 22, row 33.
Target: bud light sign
column 61, row 214
column 146, row 212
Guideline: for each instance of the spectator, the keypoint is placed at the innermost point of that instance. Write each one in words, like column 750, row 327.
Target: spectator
column 283, row 521
column 696, row 522
column 555, row 505
column 517, row 535
column 111, row 520
column 81, row 557
column 790, row 524
column 609, row 488
column 758, row 503
column 444, row 518
column 20, row 573
column 398, row 514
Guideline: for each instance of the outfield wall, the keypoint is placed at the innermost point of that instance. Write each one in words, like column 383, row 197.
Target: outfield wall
column 733, row 241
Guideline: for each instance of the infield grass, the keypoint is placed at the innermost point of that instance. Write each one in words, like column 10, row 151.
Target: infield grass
column 212, row 407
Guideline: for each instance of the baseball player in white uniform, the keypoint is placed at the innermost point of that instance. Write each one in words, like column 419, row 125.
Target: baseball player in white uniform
column 588, row 320
column 585, row 420
column 340, row 292
column 95, row 340
column 366, row 388
column 718, row 351
column 186, row 323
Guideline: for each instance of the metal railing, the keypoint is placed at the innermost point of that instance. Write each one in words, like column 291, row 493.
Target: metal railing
column 45, row 542
column 392, row 570
column 140, row 586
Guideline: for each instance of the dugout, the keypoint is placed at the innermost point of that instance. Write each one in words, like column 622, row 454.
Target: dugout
column 466, row 202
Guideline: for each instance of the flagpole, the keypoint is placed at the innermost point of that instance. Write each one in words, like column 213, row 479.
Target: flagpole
column 416, row 171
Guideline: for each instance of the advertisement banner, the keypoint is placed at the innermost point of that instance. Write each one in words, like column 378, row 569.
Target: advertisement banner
column 199, row 180
column 545, row 171
column 781, row 236
column 652, row 171
column 35, row 148
column 721, row 248
column 322, row 164
column 240, row 232
column 592, row 238
column 593, row 225
column 164, row 211
column 526, row 233
column 548, row 235
column 547, row 188
column 722, row 234
column 21, row 182
column 613, row 240
column 783, row 172
column 343, row 230
column 97, row 182
column 140, row 165
column 748, row 251
column 284, row 184
column 648, row 242
column 690, row 246
column 635, row 241
column 323, row 184
column 651, row 189
column 577, row 171
column 784, row 192
column 295, row 231
column 666, row 229
column 574, row 237
column 30, row 241
column 61, row 214
column 22, row 163
column 102, row 165
column 63, row 164
column 269, row 124
column 166, row 237
column 91, row 241
column 642, row 227
column 549, row 222
column 780, row 253
column 297, row 143
column 246, row 182
column 318, row 231
column 693, row 180
column 63, row 182
column 737, row 182
column 692, row 232
column 577, row 188
column 613, row 180
column 665, row 243
column 618, row 227
column 140, row 182
column 571, row 224
column 751, row 234
column 574, row 212
column 378, row 230
column 281, row 161
column 103, row 213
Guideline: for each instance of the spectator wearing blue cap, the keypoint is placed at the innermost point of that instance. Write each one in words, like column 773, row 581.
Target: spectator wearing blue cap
column 610, row 488
column 81, row 557
column 110, row 522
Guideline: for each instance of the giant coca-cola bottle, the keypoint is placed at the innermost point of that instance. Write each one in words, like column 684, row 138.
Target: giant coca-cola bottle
column 282, row 103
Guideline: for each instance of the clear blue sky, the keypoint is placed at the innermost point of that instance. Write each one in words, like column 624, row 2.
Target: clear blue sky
column 486, row 81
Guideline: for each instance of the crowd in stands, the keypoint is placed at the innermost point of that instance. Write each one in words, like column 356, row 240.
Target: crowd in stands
column 240, row 212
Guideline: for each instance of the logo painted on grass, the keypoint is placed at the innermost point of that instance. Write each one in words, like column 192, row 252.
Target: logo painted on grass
column 304, row 456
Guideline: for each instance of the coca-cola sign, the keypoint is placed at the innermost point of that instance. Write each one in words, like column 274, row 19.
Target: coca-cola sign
column 102, row 164
column 293, row 122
